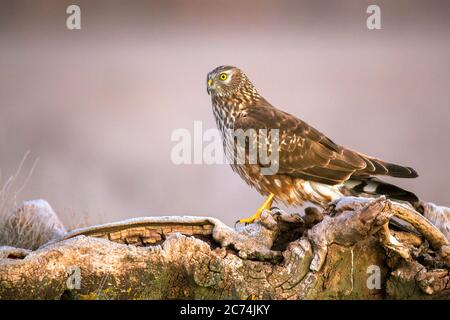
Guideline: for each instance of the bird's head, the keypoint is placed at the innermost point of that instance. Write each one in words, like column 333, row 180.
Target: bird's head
column 226, row 80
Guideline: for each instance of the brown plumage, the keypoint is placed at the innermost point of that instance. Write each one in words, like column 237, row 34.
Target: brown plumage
column 311, row 166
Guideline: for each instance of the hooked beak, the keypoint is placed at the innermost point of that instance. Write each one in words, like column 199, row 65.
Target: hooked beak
column 210, row 85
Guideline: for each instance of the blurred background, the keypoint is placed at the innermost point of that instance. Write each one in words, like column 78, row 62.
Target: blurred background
column 98, row 106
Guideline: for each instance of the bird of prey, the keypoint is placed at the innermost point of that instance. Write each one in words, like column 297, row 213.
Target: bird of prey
column 311, row 167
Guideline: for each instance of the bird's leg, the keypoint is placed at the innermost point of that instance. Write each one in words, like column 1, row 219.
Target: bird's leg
column 257, row 216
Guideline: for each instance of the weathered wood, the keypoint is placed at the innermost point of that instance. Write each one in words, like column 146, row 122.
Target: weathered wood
column 344, row 252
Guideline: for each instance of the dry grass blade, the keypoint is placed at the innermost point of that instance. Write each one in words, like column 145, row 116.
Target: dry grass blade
column 18, row 228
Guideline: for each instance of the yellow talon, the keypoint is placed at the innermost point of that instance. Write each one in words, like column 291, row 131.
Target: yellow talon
column 257, row 216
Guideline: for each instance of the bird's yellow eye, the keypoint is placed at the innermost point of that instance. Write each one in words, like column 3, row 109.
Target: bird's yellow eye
column 223, row 76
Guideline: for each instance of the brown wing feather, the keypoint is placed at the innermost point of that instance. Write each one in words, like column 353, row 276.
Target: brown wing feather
column 306, row 153
column 380, row 167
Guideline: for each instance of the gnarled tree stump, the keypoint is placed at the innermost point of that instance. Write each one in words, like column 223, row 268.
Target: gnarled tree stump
column 348, row 252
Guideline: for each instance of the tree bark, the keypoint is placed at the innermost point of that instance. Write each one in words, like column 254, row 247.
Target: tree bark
column 346, row 252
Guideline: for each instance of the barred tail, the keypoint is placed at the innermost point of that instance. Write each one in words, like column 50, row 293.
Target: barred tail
column 374, row 186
